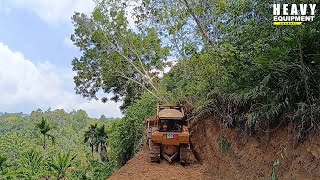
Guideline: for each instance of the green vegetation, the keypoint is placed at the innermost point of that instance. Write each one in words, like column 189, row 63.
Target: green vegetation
column 226, row 60
column 230, row 60
column 26, row 155
column 97, row 137
column 44, row 128
column 275, row 165
column 127, row 137
column 2, row 161
column 61, row 165
column 223, row 144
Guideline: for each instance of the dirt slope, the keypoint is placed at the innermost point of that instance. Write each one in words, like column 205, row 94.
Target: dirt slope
column 247, row 158
column 140, row 168
column 252, row 157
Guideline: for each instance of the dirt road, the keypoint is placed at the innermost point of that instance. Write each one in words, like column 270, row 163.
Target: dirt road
column 140, row 168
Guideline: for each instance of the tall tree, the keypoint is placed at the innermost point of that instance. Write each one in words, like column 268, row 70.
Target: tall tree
column 90, row 137
column 44, row 128
column 102, row 137
column 115, row 58
column 97, row 138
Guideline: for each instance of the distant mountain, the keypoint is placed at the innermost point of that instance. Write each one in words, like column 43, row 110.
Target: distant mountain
column 21, row 114
column 25, row 115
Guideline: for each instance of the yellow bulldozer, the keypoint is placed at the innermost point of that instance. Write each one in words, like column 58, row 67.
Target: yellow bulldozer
column 168, row 134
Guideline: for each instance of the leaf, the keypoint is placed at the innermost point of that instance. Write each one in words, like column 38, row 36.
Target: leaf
column 265, row 80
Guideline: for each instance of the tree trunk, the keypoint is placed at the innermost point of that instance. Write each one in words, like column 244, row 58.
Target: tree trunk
column 103, row 153
column 92, row 150
column 44, row 141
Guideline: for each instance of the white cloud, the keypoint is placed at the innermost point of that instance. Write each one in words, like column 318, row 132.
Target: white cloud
column 25, row 86
column 60, row 11
column 52, row 11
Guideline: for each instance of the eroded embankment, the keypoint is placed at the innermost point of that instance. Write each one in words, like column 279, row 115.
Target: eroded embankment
column 252, row 157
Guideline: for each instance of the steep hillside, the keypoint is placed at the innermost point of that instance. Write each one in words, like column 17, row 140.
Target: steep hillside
column 253, row 157
column 245, row 157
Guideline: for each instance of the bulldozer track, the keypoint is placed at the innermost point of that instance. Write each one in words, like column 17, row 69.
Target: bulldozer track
column 184, row 154
column 154, row 153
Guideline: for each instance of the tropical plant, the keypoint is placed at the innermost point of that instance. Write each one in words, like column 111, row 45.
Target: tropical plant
column 90, row 137
column 61, row 165
column 44, row 128
column 97, row 137
column 125, row 136
column 101, row 145
column 99, row 170
column 32, row 165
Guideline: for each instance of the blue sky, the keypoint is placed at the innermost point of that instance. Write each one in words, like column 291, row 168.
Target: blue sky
column 36, row 54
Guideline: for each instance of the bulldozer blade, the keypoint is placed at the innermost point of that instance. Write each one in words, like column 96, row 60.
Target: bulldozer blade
column 170, row 158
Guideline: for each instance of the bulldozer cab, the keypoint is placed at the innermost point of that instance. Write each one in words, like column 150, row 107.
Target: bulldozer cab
column 171, row 118
column 169, row 125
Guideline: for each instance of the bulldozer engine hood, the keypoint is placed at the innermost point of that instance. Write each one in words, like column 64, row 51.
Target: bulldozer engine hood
column 171, row 114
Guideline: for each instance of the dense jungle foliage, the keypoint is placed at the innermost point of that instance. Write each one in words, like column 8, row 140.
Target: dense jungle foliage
column 60, row 145
column 225, row 58
column 27, row 151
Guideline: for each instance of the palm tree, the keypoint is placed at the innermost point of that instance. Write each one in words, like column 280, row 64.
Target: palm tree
column 97, row 137
column 101, row 143
column 44, row 129
column 90, row 136
column 61, row 165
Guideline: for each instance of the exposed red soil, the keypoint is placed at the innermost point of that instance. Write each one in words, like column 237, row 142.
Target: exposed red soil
column 141, row 168
column 252, row 157
column 247, row 158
